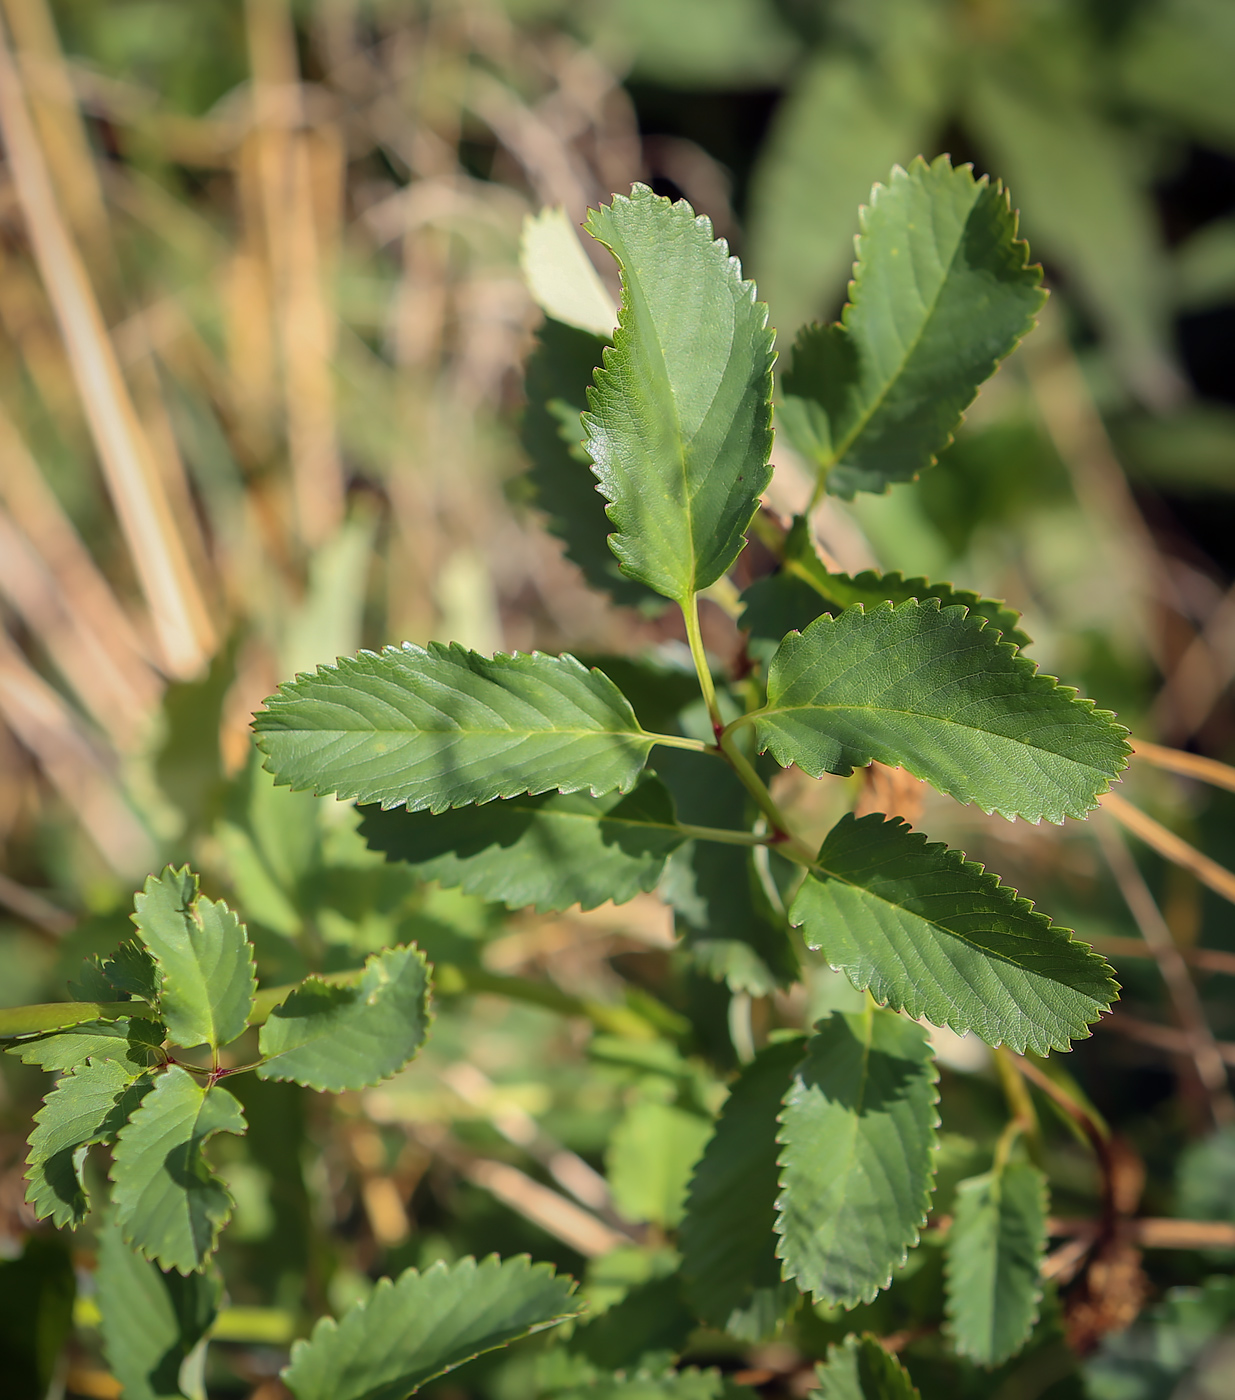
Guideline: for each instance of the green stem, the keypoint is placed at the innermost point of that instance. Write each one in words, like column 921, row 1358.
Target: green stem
column 781, row 839
column 680, row 741
column 690, row 612
column 724, row 835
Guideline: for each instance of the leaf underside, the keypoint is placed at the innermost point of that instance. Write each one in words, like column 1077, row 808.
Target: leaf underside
column 169, row 1205
column 857, row 1161
column 994, row 1254
column 422, row 1325
column 551, row 851
column 679, row 427
column 733, row 1278
column 939, row 693
column 860, row 1369
column 338, row 1038
column 803, row 588
column 936, row 936
column 204, row 958
column 942, row 291
column 442, row 726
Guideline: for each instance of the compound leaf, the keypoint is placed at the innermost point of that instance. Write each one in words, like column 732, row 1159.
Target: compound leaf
column 942, row 291
column 803, row 588
column 134, row 1044
column 151, row 1320
column 860, row 1369
column 933, row 934
column 204, row 958
column 680, row 420
column 551, row 851
column 442, row 727
column 994, row 1254
column 86, row 1107
column 728, row 1244
column 940, row 693
column 168, row 1203
column 422, row 1325
column 858, row 1133
column 337, row 1038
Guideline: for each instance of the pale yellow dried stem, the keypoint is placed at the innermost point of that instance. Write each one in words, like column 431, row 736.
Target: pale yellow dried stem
column 1189, row 765
column 1174, row 848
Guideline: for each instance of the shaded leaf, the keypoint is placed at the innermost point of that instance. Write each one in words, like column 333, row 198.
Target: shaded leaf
column 733, row 1278
column 551, row 851
column 36, row 1317
column 860, row 1369
column 679, row 423
column 857, row 1166
column 942, row 291
column 994, row 1250
column 169, row 1204
column 131, row 971
column 422, row 1325
column 645, row 1331
column 151, row 1320
column 133, row 1044
column 444, row 727
column 86, row 1107
column 338, row 1038
column 941, row 694
column 204, row 957
column 935, row 935
column 686, row 1384
column 803, row 588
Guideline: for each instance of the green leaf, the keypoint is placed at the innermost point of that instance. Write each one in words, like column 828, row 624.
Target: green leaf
column 151, row 1320
column 337, row 1038
column 560, row 277
column 551, row 851
column 645, row 1331
column 733, row 1278
column 36, row 1317
column 680, row 420
column 422, row 1325
column 86, row 1107
column 1177, row 58
column 994, row 1251
column 858, row 1133
column 168, row 1202
column 686, row 1384
column 557, row 379
column 204, row 957
column 933, row 934
column 133, row 1044
column 860, row 1369
column 443, row 727
column 131, row 971
column 942, row 291
column 941, row 694
column 803, row 588
column 650, row 1156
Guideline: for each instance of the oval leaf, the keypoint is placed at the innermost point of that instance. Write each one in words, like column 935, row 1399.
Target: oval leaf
column 860, row 1369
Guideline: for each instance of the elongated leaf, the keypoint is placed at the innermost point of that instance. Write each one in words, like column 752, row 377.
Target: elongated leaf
column 860, row 1369
column 204, row 957
column 803, row 588
column 557, row 379
column 858, row 1137
column 650, row 1156
column 931, row 933
column 168, row 1203
column 37, row 1291
column 994, row 1251
column 550, row 851
column 423, row 1325
column 562, row 281
column 680, row 421
column 733, row 1277
column 151, row 1320
column 939, row 693
column 89, row 1106
column 340, row 1038
column 942, row 291
column 133, row 1044
column 443, row 727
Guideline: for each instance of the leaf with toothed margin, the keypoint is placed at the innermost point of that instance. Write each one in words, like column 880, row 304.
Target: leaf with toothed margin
column 942, row 292
column 680, row 419
column 86, row 1107
column 932, row 934
column 858, row 1147
column 419, row 1326
column 168, row 1203
column 938, row 692
column 442, row 727
column 803, row 588
column 349, row 1037
column 133, row 1044
column 860, row 1369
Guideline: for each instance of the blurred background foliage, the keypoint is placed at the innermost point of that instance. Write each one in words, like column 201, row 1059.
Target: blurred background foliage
column 262, row 329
